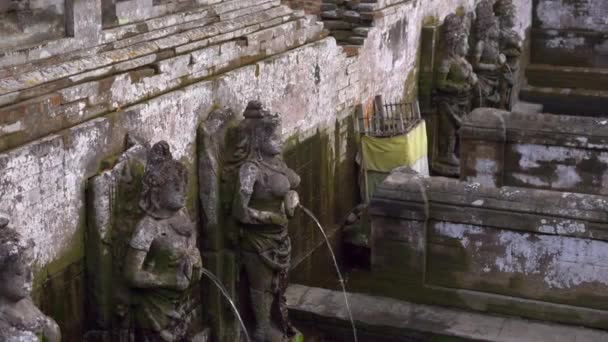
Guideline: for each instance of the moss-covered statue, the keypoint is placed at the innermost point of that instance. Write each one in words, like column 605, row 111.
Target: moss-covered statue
column 20, row 319
column 455, row 80
column 264, row 201
column 511, row 46
column 163, row 260
column 488, row 61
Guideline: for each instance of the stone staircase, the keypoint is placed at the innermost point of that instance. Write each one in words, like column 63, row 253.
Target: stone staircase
column 134, row 62
column 571, row 90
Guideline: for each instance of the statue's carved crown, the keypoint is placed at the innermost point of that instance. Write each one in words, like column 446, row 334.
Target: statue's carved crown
column 264, row 119
column 13, row 248
column 454, row 31
column 504, row 8
column 485, row 17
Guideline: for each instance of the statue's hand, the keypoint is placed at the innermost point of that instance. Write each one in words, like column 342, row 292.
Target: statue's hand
column 166, row 336
column 474, row 79
column 292, row 201
column 502, row 59
column 184, row 274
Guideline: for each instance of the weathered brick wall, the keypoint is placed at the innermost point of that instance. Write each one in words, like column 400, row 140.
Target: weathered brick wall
column 543, row 151
column 67, row 104
column 441, row 241
column 310, row 6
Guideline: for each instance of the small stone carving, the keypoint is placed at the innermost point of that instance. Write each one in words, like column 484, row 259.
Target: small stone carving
column 264, row 201
column 455, row 81
column 488, row 61
column 163, row 260
column 511, row 45
column 20, row 319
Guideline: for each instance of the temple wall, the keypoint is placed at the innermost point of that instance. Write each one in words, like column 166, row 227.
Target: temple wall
column 532, row 253
column 543, row 151
column 573, row 33
column 66, row 105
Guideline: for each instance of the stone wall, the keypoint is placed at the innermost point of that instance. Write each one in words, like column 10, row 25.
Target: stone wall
column 26, row 22
column 531, row 253
column 544, row 151
column 570, row 32
column 67, row 104
column 310, row 6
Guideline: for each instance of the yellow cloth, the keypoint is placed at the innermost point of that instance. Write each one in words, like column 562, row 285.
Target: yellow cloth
column 385, row 154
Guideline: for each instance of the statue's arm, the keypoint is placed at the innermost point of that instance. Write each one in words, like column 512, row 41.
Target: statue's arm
column 477, row 59
column 51, row 331
column 453, row 117
column 445, row 84
column 240, row 207
column 135, row 273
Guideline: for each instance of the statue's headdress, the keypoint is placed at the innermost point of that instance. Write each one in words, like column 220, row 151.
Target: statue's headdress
column 485, row 18
column 13, row 248
column 504, row 9
column 258, row 125
column 161, row 168
column 454, row 30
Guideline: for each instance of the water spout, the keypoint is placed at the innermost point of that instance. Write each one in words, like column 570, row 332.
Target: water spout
column 224, row 292
column 333, row 255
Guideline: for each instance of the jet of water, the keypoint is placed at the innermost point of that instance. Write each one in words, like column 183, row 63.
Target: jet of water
column 333, row 255
column 224, row 292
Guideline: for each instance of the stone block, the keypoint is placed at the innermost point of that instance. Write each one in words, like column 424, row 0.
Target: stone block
column 542, row 151
column 523, row 244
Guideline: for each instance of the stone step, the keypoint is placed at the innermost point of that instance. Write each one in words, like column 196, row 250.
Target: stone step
column 384, row 319
column 577, row 102
column 527, row 107
column 545, row 75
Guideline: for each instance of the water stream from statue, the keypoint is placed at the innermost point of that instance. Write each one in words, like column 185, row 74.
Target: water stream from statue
column 333, row 255
column 224, row 292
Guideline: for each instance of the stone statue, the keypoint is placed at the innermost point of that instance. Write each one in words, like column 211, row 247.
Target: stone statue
column 264, row 201
column 455, row 80
column 163, row 260
column 511, row 45
column 20, row 319
column 488, row 61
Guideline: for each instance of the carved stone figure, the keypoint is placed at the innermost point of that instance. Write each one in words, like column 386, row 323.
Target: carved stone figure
column 163, row 260
column 455, row 80
column 264, row 201
column 511, row 45
column 20, row 319
column 488, row 61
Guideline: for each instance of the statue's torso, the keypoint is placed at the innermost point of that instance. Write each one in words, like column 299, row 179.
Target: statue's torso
column 22, row 323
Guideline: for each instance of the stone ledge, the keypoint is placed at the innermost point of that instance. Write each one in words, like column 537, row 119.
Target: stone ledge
column 398, row 320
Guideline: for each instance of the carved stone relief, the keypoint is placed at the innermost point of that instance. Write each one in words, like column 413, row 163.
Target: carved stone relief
column 20, row 319
column 142, row 253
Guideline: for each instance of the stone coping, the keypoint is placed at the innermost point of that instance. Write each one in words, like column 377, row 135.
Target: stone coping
column 401, row 321
column 406, row 195
column 571, row 131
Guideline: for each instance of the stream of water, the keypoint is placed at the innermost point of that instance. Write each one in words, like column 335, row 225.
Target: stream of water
column 333, row 255
column 224, row 292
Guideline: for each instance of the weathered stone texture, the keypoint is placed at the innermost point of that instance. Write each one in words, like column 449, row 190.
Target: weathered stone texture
column 543, row 151
column 66, row 105
column 570, row 32
column 544, row 251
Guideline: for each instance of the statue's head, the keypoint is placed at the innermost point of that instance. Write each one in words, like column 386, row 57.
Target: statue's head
column 262, row 130
column 486, row 24
column 505, row 10
column 455, row 37
column 16, row 258
column 164, row 183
